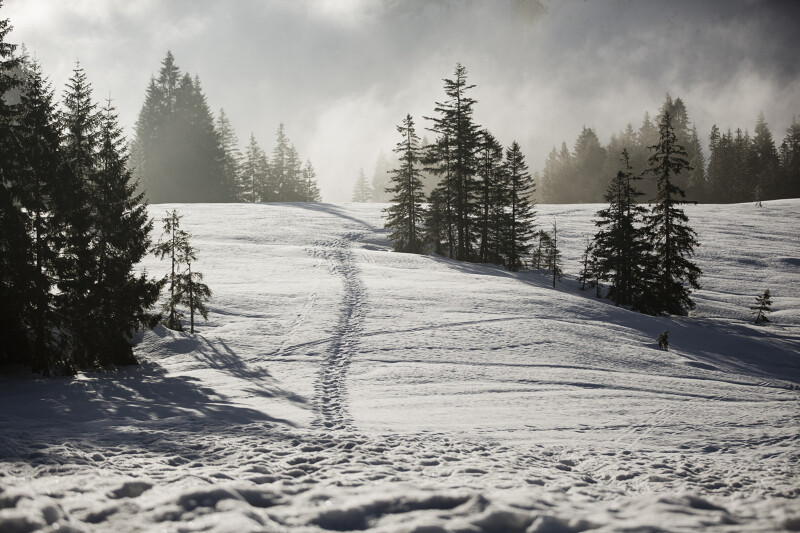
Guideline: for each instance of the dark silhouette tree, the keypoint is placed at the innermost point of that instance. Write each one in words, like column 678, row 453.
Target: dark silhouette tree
column 762, row 307
column 521, row 214
column 620, row 245
column 458, row 164
column 673, row 241
column 405, row 216
column 190, row 289
column 492, row 198
column 171, row 244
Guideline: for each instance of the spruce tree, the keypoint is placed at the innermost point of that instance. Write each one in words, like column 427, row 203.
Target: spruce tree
column 520, row 210
column 438, row 162
column 672, row 239
column 541, row 252
column 457, row 129
column 190, row 289
column 762, row 307
column 310, row 189
column 405, row 215
column 790, row 161
column 171, row 244
column 361, row 191
column 620, row 245
column 40, row 171
column 554, row 261
column 492, row 191
column 231, row 156
column 16, row 272
column 253, row 172
column 275, row 184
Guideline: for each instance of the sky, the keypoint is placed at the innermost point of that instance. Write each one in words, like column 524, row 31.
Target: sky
column 341, row 74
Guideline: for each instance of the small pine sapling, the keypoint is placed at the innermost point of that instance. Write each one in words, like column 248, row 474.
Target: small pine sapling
column 762, row 307
column 663, row 340
column 172, row 242
column 555, row 256
column 541, row 254
column 191, row 291
column 586, row 260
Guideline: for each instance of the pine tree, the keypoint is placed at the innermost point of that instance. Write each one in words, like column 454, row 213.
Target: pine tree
column 790, row 161
column 310, row 188
column 541, row 253
column 521, row 213
column 121, row 228
column 380, row 179
column 764, row 162
column 361, row 191
column 587, row 272
column 171, row 244
column 78, row 266
column 762, row 307
column 589, row 158
column 40, row 172
column 253, row 172
column 190, row 289
column 405, row 215
column 275, row 185
column 672, row 239
column 438, row 162
column 492, row 199
column 620, row 246
column 554, row 261
column 436, row 227
column 16, row 272
column 457, row 129
column 231, row 156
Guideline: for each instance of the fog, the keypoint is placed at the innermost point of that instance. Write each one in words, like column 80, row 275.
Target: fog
column 341, row 73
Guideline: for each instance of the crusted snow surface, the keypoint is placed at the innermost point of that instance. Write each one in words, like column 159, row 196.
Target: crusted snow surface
column 339, row 386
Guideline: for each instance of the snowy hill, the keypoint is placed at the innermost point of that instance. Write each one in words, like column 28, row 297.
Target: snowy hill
column 340, row 386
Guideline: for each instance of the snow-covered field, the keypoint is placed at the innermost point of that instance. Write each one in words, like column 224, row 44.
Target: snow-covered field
column 339, row 386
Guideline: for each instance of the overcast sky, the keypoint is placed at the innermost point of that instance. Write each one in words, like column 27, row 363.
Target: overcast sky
column 340, row 74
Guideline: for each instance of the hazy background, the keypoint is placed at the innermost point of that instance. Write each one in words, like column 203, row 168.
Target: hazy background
column 341, row 73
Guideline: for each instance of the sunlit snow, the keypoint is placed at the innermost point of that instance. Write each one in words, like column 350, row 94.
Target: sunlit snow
column 341, row 386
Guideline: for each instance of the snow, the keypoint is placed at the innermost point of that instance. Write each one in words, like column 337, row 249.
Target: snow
column 340, row 386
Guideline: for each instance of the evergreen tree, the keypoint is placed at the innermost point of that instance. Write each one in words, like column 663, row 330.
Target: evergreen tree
column 492, row 200
column 442, row 223
column 554, row 261
column 672, row 239
column 231, row 157
column 762, row 307
column 457, row 129
column 405, row 215
column 790, row 161
column 121, row 228
column 40, row 173
column 253, row 172
column 436, row 227
column 587, row 262
column 293, row 185
column 541, row 253
column 16, row 273
column 714, row 175
column 764, row 162
column 77, row 299
column 275, row 185
column 380, row 179
column 178, row 153
column 620, row 246
column 190, row 289
column 172, row 243
column 310, row 188
column 361, row 191
column 521, row 213
column 589, row 158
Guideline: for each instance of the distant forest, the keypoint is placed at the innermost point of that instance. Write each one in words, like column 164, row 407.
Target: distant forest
column 181, row 153
column 741, row 167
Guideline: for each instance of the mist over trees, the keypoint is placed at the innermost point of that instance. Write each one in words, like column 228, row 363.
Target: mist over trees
column 740, row 167
column 181, row 153
column 73, row 226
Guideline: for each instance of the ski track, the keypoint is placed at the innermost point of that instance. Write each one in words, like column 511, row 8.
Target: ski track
column 331, row 385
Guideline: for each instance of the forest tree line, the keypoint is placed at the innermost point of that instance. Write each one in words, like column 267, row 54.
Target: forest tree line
column 181, row 153
column 73, row 226
column 481, row 209
column 740, row 167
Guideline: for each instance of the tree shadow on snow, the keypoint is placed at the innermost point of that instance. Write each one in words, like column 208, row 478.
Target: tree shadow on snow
column 723, row 345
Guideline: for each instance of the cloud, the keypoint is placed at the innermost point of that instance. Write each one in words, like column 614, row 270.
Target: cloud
column 342, row 73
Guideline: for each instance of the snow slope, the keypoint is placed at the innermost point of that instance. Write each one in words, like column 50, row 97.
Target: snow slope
column 340, row 386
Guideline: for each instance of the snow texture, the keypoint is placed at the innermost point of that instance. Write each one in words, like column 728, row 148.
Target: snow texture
column 339, row 386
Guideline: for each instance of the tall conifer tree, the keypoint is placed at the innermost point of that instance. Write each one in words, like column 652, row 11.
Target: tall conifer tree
column 405, row 215
column 520, row 211
column 671, row 237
